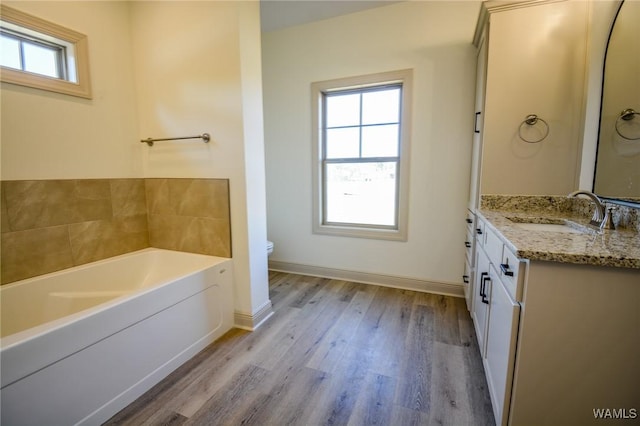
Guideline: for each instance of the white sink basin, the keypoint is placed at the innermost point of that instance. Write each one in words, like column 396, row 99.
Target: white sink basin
column 545, row 224
column 549, row 227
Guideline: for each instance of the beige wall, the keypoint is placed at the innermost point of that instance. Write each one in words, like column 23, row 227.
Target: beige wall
column 204, row 75
column 536, row 65
column 46, row 135
column 158, row 69
column 432, row 38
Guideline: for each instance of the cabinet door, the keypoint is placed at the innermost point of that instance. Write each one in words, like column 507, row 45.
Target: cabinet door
column 481, row 73
column 481, row 297
column 500, row 349
column 467, row 280
column 469, row 264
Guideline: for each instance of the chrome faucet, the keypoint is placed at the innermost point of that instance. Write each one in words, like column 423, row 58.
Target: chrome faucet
column 601, row 217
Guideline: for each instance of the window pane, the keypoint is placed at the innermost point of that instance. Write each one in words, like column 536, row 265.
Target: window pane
column 10, row 49
column 363, row 193
column 343, row 143
column 343, row 110
column 40, row 60
column 380, row 141
column 382, row 106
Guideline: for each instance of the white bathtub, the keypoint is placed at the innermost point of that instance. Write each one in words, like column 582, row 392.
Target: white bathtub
column 80, row 344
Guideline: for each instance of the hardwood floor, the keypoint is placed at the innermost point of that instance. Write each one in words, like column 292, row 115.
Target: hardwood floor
column 334, row 353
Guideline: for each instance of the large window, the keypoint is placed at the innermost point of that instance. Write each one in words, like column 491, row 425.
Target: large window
column 361, row 155
column 43, row 55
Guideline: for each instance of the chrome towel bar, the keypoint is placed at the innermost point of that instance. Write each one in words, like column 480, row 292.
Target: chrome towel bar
column 205, row 138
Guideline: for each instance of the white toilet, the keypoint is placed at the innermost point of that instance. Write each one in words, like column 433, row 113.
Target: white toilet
column 269, row 247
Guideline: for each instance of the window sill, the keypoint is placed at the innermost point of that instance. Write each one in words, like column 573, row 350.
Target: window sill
column 361, row 232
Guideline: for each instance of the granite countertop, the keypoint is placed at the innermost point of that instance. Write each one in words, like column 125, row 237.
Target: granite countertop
column 617, row 248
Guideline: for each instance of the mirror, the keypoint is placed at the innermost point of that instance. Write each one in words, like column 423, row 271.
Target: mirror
column 617, row 174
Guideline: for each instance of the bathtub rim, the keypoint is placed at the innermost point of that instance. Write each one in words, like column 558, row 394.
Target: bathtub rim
column 31, row 350
column 8, row 341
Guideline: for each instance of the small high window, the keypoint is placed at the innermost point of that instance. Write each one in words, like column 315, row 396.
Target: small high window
column 40, row 54
column 31, row 54
column 361, row 155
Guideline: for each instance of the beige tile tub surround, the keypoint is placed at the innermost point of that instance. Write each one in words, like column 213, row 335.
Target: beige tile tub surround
column 48, row 225
column 190, row 215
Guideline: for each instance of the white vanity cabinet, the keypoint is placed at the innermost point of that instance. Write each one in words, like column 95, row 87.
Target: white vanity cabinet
column 496, row 315
column 502, row 331
column 557, row 340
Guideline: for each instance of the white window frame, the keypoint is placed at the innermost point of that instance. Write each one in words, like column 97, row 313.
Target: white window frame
column 76, row 80
column 399, row 233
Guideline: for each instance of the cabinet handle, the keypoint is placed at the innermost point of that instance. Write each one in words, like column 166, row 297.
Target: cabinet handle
column 479, row 231
column 483, row 276
column 504, row 267
column 484, row 290
column 467, row 244
column 475, row 123
column 465, row 279
column 469, row 220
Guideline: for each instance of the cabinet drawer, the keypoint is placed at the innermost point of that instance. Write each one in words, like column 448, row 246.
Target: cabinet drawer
column 493, row 247
column 469, row 246
column 480, row 232
column 467, row 280
column 470, row 220
column 511, row 270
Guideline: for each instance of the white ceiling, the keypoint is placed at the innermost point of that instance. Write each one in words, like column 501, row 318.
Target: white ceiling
column 279, row 14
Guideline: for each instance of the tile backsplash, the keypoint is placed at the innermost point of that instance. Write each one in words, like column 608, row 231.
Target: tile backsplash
column 48, row 225
column 189, row 215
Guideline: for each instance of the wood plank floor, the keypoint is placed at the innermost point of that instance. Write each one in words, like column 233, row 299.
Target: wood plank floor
column 334, row 353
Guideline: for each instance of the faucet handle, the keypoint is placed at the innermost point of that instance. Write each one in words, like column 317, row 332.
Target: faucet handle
column 607, row 221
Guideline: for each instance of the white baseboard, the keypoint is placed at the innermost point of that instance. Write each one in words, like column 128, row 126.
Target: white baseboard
column 425, row 286
column 252, row 321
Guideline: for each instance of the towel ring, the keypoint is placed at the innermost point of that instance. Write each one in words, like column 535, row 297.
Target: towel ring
column 626, row 115
column 532, row 120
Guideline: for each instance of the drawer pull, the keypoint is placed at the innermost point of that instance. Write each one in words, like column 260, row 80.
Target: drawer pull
column 469, row 220
column 483, row 277
column 465, row 279
column 467, row 244
column 483, row 289
column 479, row 231
column 504, row 267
